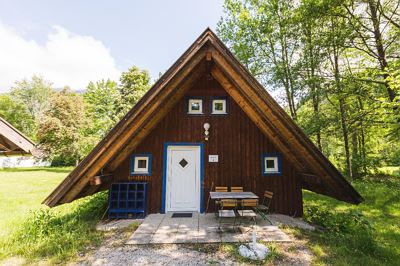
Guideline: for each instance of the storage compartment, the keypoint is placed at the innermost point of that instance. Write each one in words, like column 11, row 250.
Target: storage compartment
column 127, row 200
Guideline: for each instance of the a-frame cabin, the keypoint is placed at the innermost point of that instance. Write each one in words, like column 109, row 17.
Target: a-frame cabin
column 251, row 141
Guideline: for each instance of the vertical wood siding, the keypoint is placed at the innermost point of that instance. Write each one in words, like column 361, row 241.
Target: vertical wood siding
column 234, row 137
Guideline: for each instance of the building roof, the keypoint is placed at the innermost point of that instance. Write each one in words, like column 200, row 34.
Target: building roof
column 12, row 141
column 206, row 56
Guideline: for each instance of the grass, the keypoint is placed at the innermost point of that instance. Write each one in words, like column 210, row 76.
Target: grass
column 367, row 234
column 22, row 190
column 37, row 233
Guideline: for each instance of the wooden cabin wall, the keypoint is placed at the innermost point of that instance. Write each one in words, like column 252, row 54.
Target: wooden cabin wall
column 234, row 137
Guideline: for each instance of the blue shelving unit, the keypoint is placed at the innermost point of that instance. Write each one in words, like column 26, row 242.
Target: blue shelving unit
column 127, row 200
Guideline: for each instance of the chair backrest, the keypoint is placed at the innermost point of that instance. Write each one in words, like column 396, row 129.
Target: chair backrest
column 221, row 189
column 267, row 198
column 236, row 189
column 228, row 203
column 249, row 203
column 268, row 194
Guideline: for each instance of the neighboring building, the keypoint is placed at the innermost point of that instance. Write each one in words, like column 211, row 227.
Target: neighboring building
column 16, row 149
column 12, row 141
column 207, row 122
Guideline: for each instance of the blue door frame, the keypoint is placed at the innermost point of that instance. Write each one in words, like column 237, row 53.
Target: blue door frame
column 164, row 178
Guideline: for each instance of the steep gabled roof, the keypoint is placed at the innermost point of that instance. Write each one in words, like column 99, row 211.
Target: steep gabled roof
column 12, row 141
column 207, row 55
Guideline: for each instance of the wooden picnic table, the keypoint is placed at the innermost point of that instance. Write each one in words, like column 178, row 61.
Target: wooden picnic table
column 232, row 195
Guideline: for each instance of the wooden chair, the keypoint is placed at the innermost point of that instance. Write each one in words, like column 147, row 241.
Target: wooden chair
column 236, row 189
column 247, row 206
column 220, row 189
column 227, row 209
column 263, row 208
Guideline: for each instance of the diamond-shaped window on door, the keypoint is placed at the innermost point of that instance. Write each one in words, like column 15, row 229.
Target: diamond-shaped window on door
column 183, row 163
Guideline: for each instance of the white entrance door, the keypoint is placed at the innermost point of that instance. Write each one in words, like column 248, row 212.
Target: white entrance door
column 183, row 178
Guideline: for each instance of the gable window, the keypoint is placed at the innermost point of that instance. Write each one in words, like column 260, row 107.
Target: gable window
column 271, row 164
column 218, row 107
column 140, row 164
column 195, row 106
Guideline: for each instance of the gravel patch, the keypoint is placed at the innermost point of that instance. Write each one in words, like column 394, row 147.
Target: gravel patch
column 153, row 255
column 280, row 219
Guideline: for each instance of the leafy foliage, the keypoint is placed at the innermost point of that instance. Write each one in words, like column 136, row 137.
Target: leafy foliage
column 17, row 115
column 134, row 83
column 102, row 101
column 33, row 94
column 60, row 131
column 336, row 65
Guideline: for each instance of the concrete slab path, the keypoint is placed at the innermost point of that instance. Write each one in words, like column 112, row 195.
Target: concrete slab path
column 200, row 228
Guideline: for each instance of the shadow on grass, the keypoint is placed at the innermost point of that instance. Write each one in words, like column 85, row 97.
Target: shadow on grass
column 38, row 169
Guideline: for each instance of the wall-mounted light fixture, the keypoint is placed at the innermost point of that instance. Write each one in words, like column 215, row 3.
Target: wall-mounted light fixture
column 206, row 132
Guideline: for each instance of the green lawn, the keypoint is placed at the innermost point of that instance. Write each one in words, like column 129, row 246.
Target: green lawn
column 22, row 190
column 37, row 233
column 367, row 234
column 377, row 245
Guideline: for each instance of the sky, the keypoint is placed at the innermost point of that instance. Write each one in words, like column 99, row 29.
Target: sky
column 72, row 42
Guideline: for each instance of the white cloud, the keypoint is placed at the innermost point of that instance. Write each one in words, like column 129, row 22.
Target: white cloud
column 65, row 59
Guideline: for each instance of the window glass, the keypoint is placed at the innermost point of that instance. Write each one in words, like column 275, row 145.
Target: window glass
column 219, row 106
column 270, row 163
column 195, row 106
column 142, row 163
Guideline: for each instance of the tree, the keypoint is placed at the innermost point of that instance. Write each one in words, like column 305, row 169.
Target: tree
column 61, row 131
column 17, row 115
column 134, row 83
column 33, row 94
column 371, row 21
column 336, row 62
column 263, row 34
column 102, row 100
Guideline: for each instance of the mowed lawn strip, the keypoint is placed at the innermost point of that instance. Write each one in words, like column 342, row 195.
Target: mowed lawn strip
column 22, row 190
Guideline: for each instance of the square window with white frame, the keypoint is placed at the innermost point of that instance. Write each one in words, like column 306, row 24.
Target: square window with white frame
column 271, row 164
column 219, row 106
column 195, row 106
column 140, row 164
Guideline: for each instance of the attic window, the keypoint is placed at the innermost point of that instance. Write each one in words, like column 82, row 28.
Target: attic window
column 140, row 164
column 218, row 107
column 195, row 106
column 271, row 164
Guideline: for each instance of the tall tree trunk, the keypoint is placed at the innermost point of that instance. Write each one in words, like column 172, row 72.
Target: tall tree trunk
column 379, row 46
column 362, row 138
column 355, row 155
column 313, row 85
column 342, row 109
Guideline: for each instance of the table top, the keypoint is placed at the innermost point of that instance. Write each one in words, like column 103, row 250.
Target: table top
column 233, row 195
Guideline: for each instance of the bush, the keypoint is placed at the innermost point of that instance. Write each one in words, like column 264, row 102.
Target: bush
column 50, row 233
column 350, row 227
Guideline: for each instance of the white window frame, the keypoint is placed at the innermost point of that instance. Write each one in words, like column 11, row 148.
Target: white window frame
column 219, row 112
column 276, row 166
column 195, row 112
column 136, row 169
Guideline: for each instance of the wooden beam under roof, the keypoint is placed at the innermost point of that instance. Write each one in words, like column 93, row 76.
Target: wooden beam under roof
column 14, row 139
